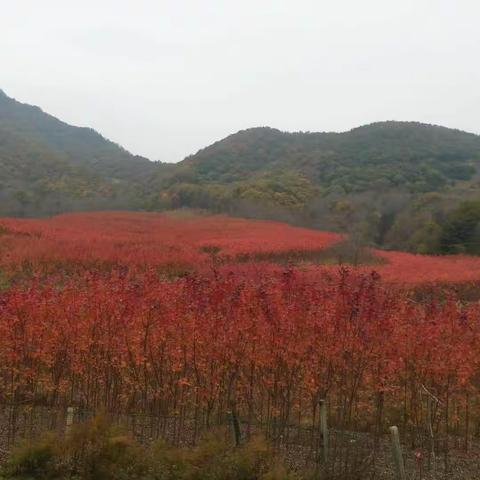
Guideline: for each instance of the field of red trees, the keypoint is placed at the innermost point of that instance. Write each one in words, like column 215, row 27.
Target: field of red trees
column 188, row 242
column 186, row 317
column 140, row 240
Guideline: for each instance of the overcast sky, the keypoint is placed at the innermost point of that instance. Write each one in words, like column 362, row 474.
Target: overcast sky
column 165, row 78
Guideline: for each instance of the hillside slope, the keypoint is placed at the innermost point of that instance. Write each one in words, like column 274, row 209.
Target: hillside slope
column 48, row 166
column 390, row 184
column 400, row 185
column 381, row 155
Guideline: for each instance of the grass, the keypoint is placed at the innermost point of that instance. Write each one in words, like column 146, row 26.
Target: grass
column 98, row 450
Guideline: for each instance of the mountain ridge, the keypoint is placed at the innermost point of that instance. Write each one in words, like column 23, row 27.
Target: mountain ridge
column 247, row 148
column 387, row 182
column 48, row 166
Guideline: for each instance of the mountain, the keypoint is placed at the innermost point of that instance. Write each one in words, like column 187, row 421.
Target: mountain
column 402, row 185
column 381, row 155
column 391, row 184
column 47, row 166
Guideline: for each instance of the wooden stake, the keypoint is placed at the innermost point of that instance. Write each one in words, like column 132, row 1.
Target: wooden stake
column 397, row 453
column 236, row 427
column 324, row 429
column 69, row 422
column 432, row 459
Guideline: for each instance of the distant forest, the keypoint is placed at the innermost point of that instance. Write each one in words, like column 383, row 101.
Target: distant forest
column 398, row 185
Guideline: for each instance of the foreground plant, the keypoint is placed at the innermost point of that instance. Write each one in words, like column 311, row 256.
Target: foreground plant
column 96, row 450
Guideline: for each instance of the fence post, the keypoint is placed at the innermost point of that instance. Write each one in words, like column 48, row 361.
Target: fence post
column 324, row 429
column 431, row 436
column 236, row 426
column 69, row 422
column 397, row 453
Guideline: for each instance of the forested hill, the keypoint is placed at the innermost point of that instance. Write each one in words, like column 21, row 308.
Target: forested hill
column 401, row 185
column 381, row 155
column 47, row 166
column 391, row 184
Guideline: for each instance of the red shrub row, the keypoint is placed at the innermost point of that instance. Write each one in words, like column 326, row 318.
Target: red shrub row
column 146, row 239
column 271, row 344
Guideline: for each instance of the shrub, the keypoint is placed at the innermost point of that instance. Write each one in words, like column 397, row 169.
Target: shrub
column 34, row 460
column 101, row 451
column 215, row 459
column 97, row 450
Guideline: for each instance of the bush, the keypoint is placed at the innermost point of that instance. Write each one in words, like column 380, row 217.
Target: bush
column 97, row 450
column 215, row 459
column 34, row 460
column 100, row 451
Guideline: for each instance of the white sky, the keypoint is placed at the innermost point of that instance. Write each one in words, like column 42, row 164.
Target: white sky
column 165, row 78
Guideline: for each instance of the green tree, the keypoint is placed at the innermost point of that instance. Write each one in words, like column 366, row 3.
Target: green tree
column 461, row 233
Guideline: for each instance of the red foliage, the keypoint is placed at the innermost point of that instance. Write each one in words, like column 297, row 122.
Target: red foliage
column 275, row 344
column 271, row 340
column 146, row 239
column 410, row 268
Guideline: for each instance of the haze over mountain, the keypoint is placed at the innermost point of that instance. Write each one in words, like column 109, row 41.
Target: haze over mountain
column 391, row 183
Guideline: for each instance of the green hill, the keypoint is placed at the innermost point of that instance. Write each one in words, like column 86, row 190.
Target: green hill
column 379, row 156
column 402, row 185
column 47, row 166
column 390, row 183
